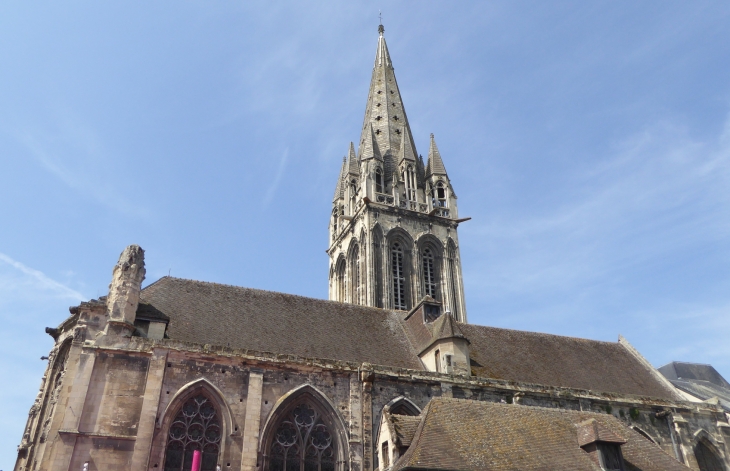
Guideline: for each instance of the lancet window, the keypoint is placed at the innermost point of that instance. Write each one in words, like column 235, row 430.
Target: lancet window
column 453, row 280
column 439, row 195
column 429, row 273
column 355, row 275
column 353, row 194
column 378, row 265
column 378, row 180
column 196, row 430
column 340, row 280
column 302, row 442
column 399, row 277
column 409, row 178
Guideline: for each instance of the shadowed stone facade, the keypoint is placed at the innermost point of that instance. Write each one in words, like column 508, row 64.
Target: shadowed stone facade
column 244, row 379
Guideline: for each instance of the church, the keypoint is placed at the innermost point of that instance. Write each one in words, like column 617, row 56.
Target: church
column 388, row 374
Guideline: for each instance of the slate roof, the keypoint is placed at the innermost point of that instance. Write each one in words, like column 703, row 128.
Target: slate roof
column 459, row 434
column 538, row 358
column 698, row 380
column 210, row 313
column 223, row 315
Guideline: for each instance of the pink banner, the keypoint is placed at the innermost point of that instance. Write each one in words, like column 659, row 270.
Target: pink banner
column 197, row 458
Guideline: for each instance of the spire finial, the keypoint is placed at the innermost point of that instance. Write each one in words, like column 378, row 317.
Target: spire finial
column 381, row 30
column 431, row 135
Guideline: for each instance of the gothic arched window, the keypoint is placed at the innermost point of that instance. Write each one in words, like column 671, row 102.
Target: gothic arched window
column 378, row 181
column 302, row 442
column 453, row 279
column 439, row 195
column 340, row 279
column 706, row 458
column 196, row 428
column 378, row 265
column 429, row 273
column 355, row 275
column 409, row 177
column 399, row 277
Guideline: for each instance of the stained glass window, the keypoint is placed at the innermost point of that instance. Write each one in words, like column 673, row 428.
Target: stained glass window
column 302, row 443
column 196, row 427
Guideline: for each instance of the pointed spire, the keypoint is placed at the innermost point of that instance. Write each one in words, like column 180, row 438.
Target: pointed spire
column 353, row 166
column 435, row 165
column 339, row 188
column 385, row 115
column 406, row 146
column 369, row 148
column 382, row 57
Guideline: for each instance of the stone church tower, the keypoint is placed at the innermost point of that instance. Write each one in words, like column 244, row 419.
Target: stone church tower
column 393, row 238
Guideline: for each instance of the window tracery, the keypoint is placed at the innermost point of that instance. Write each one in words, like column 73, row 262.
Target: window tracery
column 195, row 428
column 302, row 442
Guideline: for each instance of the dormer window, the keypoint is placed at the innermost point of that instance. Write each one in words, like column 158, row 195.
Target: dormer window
column 609, row 455
column 378, row 181
column 431, row 312
column 602, row 445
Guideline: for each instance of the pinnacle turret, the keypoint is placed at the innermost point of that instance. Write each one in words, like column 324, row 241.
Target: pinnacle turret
column 353, row 165
column 435, row 165
column 339, row 188
column 407, row 151
column 369, row 148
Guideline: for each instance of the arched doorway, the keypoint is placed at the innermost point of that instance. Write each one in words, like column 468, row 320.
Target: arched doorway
column 707, row 458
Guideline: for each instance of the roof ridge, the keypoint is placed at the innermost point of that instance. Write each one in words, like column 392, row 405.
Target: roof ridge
column 358, row 306
column 531, row 332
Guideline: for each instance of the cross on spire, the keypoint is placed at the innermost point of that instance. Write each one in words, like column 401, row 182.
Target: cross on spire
column 380, row 28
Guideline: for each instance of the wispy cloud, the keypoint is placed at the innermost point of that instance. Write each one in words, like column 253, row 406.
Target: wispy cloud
column 79, row 177
column 277, row 178
column 660, row 192
column 35, row 281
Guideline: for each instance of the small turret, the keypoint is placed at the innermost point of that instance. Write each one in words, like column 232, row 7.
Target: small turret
column 126, row 285
column 438, row 186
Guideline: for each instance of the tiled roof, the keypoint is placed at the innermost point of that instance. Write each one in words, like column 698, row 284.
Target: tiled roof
column 223, row 315
column 405, row 427
column 458, row 434
column 210, row 313
column 555, row 360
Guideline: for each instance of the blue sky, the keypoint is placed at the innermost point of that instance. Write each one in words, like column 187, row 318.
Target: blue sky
column 589, row 142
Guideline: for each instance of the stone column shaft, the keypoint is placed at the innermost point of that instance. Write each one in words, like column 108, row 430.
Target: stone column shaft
column 150, row 405
column 249, row 455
